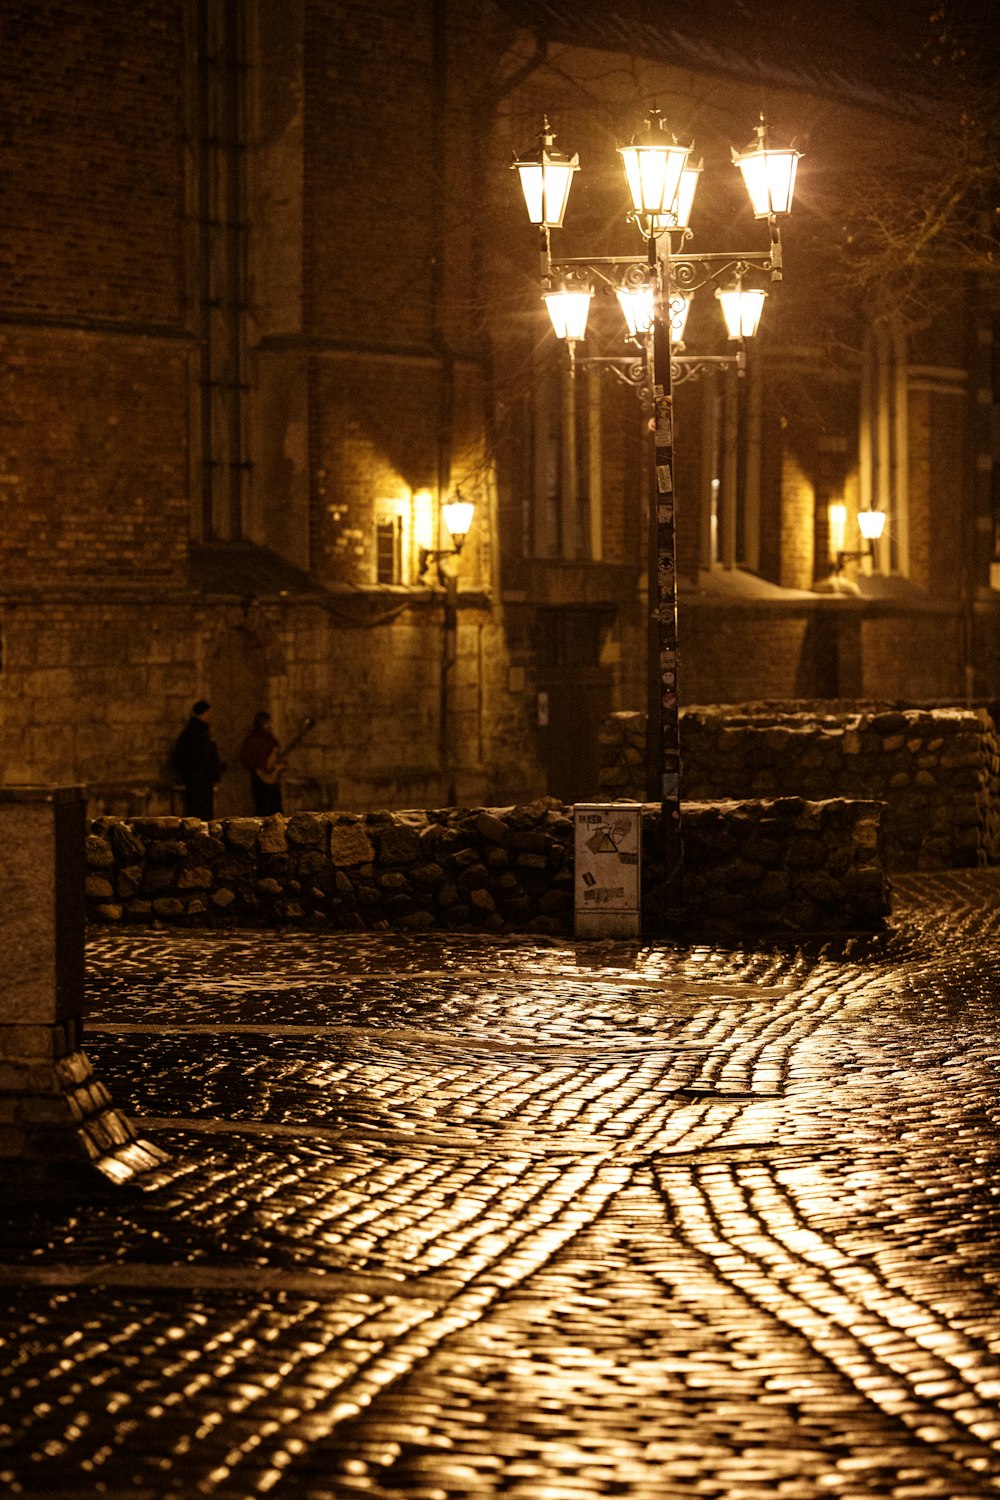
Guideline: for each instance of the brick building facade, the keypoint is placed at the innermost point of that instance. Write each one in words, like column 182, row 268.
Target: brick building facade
column 267, row 299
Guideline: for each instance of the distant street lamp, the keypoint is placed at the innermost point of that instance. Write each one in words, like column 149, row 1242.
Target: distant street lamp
column 457, row 516
column 654, row 294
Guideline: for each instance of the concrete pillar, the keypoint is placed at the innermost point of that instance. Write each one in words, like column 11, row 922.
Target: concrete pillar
column 56, row 1119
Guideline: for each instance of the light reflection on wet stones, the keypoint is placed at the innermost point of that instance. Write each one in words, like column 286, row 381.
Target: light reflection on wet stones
column 447, row 1218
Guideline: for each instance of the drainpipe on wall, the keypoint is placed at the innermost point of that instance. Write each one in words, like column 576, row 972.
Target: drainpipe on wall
column 446, row 374
column 971, row 444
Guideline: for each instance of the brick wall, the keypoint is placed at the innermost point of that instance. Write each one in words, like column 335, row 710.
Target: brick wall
column 746, row 650
column 93, row 372
column 95, row 456
column 90, row 111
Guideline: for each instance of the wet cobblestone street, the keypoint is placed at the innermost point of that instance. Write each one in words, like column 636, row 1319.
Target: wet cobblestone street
column 449, row 1217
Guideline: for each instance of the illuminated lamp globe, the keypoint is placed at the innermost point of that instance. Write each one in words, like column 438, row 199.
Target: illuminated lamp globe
column 569, row 309
column 768, row 174
column 871, row 524
column 636, row 303
column 457, row 516
column 741, row 308
column 679, row 216
column 653, row 165
column 546, row 178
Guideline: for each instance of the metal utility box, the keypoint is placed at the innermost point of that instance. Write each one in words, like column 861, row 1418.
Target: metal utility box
column 607, row 884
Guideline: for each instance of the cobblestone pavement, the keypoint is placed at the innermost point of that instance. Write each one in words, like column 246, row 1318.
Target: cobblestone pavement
column 448, row 1217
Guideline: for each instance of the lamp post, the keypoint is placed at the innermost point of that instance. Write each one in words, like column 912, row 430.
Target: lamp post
column 654, row 293
column 457, row 516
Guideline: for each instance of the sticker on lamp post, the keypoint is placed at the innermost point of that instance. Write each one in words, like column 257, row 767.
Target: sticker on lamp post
column 607, row 884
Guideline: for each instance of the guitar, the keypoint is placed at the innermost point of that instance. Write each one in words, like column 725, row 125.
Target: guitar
column 278, row 759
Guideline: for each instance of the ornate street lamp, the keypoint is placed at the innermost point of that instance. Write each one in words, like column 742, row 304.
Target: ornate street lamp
column 654, row 294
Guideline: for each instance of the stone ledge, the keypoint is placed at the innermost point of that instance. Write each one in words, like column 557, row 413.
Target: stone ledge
column 936, row 769
column 784, row 865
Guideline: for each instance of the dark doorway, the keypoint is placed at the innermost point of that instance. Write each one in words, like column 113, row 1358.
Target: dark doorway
column 575, row 695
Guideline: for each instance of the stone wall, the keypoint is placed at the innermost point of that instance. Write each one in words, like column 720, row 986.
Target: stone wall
column 781, row 865
column 96, row 693
column 935, row 769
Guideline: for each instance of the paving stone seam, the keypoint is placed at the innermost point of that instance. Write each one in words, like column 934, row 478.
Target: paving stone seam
column 581, row 1198
column 826, row 1328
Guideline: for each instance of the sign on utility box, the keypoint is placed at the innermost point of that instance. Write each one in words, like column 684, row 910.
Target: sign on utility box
column 608, row 844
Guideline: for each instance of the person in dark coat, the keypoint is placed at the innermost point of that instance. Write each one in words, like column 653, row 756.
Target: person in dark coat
column 261, row 754
column 198, row 763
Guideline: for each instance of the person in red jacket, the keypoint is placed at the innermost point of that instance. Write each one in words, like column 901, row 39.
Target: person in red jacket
column 261, row 754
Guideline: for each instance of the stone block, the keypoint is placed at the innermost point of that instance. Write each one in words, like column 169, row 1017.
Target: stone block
column 206, row 847
column 417, row 921
column 167, row 851
column 398, row 844
column 129, row 881
column 168, row 907
column 350, row 844
column 531, row 842
column 241, row 833
column 126, row 843
column 42, row 898
column 272, row 835
column 98, row 852
column 13, row 1076
column 306, row 830
column 149, row 829
column 491, row 827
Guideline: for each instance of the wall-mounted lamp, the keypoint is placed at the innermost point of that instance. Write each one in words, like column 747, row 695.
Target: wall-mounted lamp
column 457, row 516
column 871, row 524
